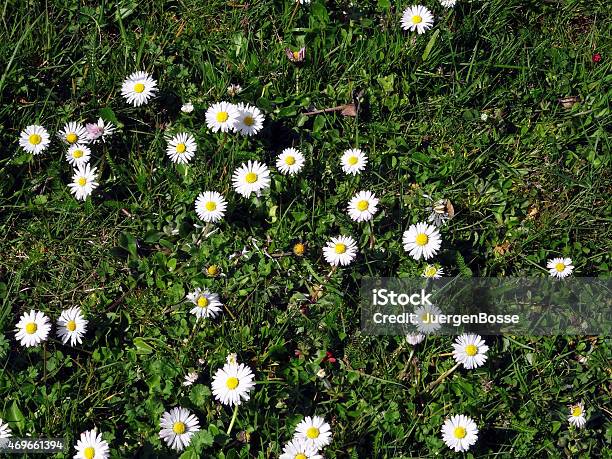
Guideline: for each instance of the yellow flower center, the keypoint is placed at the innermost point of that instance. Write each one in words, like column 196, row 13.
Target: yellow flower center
column 290, row 160
column 89, row 452
column 222, row 117
column 210, row 206
column 300, row 456
column 299, row 248
column 31, row 328
column 471, row 350
column 77, row 154
column 248, row 120
column 212, row 270
column 71, row 326
column 179, row 428
column 35, row 139
column 460, row 432
column 421, row 239
column 139, row 87
column 312, row 432
column 560, row 267
column 340, row 248
column 72, row 137
column 353, row 160
column 363, row 205
column 202, row 301
column 425, row 318
column 431, row 271
column 416, row 19
column 231, row 383
column 82, row 181
column 576, row 411
column 251, row 177
column 181, row 147
column 296, row 55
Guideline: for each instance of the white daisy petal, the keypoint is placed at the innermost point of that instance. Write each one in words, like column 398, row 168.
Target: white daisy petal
column 83, row 182
column 71, row 326
column 314, row 432
column 250, row 120
column 353, row 161
column 422, row 241
column 417, row 18
column 207, row 305
column 91, row 445
column 222, row 116
column 560, row 268
column 73, row 133
column 577, row 416
column 210, row 206
column 470, row 350
column 362, row 206
column 78, row 155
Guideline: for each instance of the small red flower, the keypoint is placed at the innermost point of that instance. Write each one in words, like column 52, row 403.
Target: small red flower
column 597, row 57
column 329, row 357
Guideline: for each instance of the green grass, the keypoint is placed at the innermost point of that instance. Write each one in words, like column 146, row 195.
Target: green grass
column 531, row 182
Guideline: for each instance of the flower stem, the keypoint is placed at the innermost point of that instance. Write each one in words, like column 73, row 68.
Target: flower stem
column 229, row 429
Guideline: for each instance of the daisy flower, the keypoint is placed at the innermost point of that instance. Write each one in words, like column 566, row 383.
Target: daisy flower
column 560, row 267
column 34, row 139
column 362, row 206
column 207, row 305
column 459, row 432
column 576, row 417
column 73, row 133
column 5, row 431
column 418, row 18
column 233, row 90
column 99, row 130
column 250, row 119
column 71, row 325
column 433, row 272
column 83, row 182
column 415, row 338
column 190, row 378
column 314, row 431
column 33, row 328
column 296, row 56
column 470, row 350
column 426, row 323
column 78, row 155
column 299, row 249
column 298, row 449
column 341, row 250
column 290, row 161
column 91, row 445
column 187, row 107
column 222, row 116
column 250, row 177
column 210, row 206
column 138, row 88
column 353, row 161
column 422, row 241
column 232, row 383
column 213, row 271
column 181, row 148
column 177, row 427
column 439, row 211
column 448, row 3
column 304, row 2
